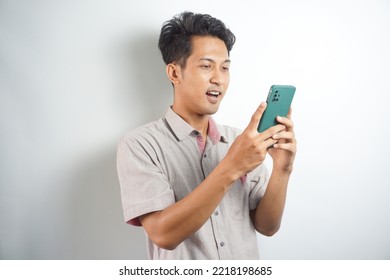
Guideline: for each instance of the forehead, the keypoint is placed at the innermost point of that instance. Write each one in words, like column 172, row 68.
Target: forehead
column 208, row 46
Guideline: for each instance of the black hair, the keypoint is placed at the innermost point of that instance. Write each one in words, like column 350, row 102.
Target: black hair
column 175, row 37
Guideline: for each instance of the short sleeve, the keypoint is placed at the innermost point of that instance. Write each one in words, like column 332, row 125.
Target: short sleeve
column 144, row 188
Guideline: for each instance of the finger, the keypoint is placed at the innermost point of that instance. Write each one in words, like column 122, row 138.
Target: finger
column 289, row 113
column 269, row 143
column 253, row 124
column 268, row 133
column 291, row 147
column 285, row 121
column 287, row 135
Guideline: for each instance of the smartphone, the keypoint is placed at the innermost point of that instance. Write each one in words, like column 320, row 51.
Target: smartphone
column 278, row 104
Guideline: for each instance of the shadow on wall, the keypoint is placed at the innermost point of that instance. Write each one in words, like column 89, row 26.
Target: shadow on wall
column 99, row 231
column 146, row 91
column 99, row 228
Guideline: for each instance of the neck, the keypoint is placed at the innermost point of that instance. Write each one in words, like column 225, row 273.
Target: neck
column 197, row 121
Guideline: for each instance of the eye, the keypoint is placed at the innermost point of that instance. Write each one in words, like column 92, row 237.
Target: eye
column 205, row 66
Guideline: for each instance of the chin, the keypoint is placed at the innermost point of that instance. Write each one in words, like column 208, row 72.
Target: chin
column 212, row 111
column 208, row 109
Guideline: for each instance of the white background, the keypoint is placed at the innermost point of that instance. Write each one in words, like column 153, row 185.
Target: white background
column 77, row 75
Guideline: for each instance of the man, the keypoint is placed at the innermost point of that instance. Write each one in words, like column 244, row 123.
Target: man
column 201, row 190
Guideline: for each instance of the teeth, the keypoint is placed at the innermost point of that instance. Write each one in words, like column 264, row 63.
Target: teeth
column 214, row 93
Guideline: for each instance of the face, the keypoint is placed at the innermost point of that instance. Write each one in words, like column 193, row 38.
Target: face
column 201, row 85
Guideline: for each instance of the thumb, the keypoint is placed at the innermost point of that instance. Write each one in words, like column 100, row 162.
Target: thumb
column 254, row 122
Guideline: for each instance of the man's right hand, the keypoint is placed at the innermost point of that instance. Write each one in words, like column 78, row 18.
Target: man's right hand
column 250, row 148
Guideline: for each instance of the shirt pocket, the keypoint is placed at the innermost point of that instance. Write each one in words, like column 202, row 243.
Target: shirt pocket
column 236, row 201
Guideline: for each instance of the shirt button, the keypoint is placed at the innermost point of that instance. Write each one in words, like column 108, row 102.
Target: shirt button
column 216, row 213
column 222, row 244
column 205, row 156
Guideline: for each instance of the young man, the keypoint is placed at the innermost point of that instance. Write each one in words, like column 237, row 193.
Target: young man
column 201, row 190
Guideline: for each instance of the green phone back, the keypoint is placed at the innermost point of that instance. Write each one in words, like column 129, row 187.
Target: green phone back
column 278, row 104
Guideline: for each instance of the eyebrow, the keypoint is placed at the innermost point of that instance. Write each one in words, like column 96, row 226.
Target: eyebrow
column 212, row 60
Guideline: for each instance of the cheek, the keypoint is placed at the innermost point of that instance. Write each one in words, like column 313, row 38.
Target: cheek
column 227, row 80
column 199, row 82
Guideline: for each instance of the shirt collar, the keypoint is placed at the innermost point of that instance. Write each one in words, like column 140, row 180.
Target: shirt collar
column 182, row 129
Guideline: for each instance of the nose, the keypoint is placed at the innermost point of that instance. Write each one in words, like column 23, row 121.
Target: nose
column 217, row 78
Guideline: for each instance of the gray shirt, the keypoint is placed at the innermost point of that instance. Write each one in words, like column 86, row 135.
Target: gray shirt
column 161, row 162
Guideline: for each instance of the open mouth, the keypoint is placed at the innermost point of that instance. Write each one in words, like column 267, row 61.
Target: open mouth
column 213, row 96
column 213, row 93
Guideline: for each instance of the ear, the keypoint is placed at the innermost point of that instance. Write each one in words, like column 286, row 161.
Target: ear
column 173, row 73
